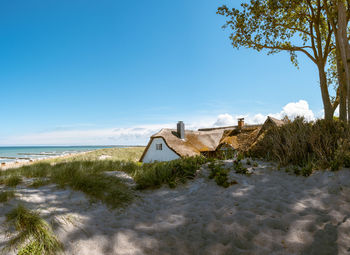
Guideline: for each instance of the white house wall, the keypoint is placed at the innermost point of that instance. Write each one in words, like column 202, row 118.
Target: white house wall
column 166, row 154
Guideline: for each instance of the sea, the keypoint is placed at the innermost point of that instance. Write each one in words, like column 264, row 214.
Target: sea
column 26, row 153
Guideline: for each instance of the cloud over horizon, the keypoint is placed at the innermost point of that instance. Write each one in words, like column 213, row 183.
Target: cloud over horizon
column 139, row 135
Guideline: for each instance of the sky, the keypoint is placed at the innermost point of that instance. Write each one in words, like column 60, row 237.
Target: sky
column 112, row 72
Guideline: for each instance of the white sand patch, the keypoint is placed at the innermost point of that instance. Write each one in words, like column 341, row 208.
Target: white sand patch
column 103, row 157
column 270, row 212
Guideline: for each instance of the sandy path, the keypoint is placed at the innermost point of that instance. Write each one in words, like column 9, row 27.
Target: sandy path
column 270, row 212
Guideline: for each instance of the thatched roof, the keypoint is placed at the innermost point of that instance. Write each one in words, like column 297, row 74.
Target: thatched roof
column 194, row 143
column 211, row 139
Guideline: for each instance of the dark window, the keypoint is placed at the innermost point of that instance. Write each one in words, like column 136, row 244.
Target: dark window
column 159, row 147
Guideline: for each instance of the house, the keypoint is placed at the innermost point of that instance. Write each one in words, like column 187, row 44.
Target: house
column 171, row 144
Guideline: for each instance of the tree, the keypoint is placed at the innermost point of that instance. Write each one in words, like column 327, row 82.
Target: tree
column 338, row 14
column 295, row 26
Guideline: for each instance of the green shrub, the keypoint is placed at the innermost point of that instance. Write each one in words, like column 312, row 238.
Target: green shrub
column 239, row 168
column 6, row 196
column 34, row 235
column 306, row 170
column 220, row 174
column 296, row 170
column 347, row 160
column 153, row 175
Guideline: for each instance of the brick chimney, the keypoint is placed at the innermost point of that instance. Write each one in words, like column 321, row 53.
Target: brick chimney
column 240, row 123
column 181, row 130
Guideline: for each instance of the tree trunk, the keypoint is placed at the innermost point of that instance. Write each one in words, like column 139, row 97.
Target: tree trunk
column 344, row 48
column 342, row 87
column 328, row 108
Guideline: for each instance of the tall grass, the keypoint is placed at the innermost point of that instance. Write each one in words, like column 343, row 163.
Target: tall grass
column 34, row 235
column 301, row 143
column 132, row 154
column 85, row 176
column 90, row 178
column 12, row 180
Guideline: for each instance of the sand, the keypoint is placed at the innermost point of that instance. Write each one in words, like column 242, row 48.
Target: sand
column 270, row 212
column 19, row 163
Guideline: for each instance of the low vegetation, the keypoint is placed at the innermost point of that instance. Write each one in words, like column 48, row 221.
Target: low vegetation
column 40, row 182
column 85, row 176
column 220, row 174
column 306, row 145
column 132, row 154
column 6, row 196
column 239, row 168
column 12, row 180
column 34, row 235
column 173, row 172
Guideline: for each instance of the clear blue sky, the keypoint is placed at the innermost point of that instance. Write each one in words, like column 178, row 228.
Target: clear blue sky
column 107, row 64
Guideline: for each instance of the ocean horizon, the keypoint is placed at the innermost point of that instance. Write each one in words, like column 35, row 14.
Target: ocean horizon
column 26, row 153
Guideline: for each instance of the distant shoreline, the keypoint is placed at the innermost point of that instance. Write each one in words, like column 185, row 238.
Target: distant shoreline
column 16, row 164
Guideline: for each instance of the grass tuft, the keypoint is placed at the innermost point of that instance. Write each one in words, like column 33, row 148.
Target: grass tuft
column 34, row 235
column 6, row 196
column 13, row 180
column 39, row 183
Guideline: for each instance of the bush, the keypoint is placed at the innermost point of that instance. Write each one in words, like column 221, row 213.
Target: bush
column 220, row 175
column 239, row 168
column 324, row 143
column 153, row 175
column 34, row 235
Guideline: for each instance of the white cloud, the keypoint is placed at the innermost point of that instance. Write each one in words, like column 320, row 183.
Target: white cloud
column 139, row 135
column 300, row 108
column 225, row 120
column 292, row 110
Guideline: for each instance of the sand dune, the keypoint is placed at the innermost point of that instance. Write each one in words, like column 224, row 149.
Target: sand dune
column 270, row 212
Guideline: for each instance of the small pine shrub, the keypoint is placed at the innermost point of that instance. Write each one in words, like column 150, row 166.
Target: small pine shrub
column 239, row 168
column 220, row 175
column 153, row 175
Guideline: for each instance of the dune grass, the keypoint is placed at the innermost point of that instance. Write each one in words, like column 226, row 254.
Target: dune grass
column 12, row 180
column 132, row 154
column 6, row 195
column 37, row 183
column 319, row 144
column 34, row 235
column 89, row 176
column 85, row 176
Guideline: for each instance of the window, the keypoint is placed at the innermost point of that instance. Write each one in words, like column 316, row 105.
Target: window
column 159, row 147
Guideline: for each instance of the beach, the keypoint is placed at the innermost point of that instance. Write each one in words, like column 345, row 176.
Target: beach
column 269, row 212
